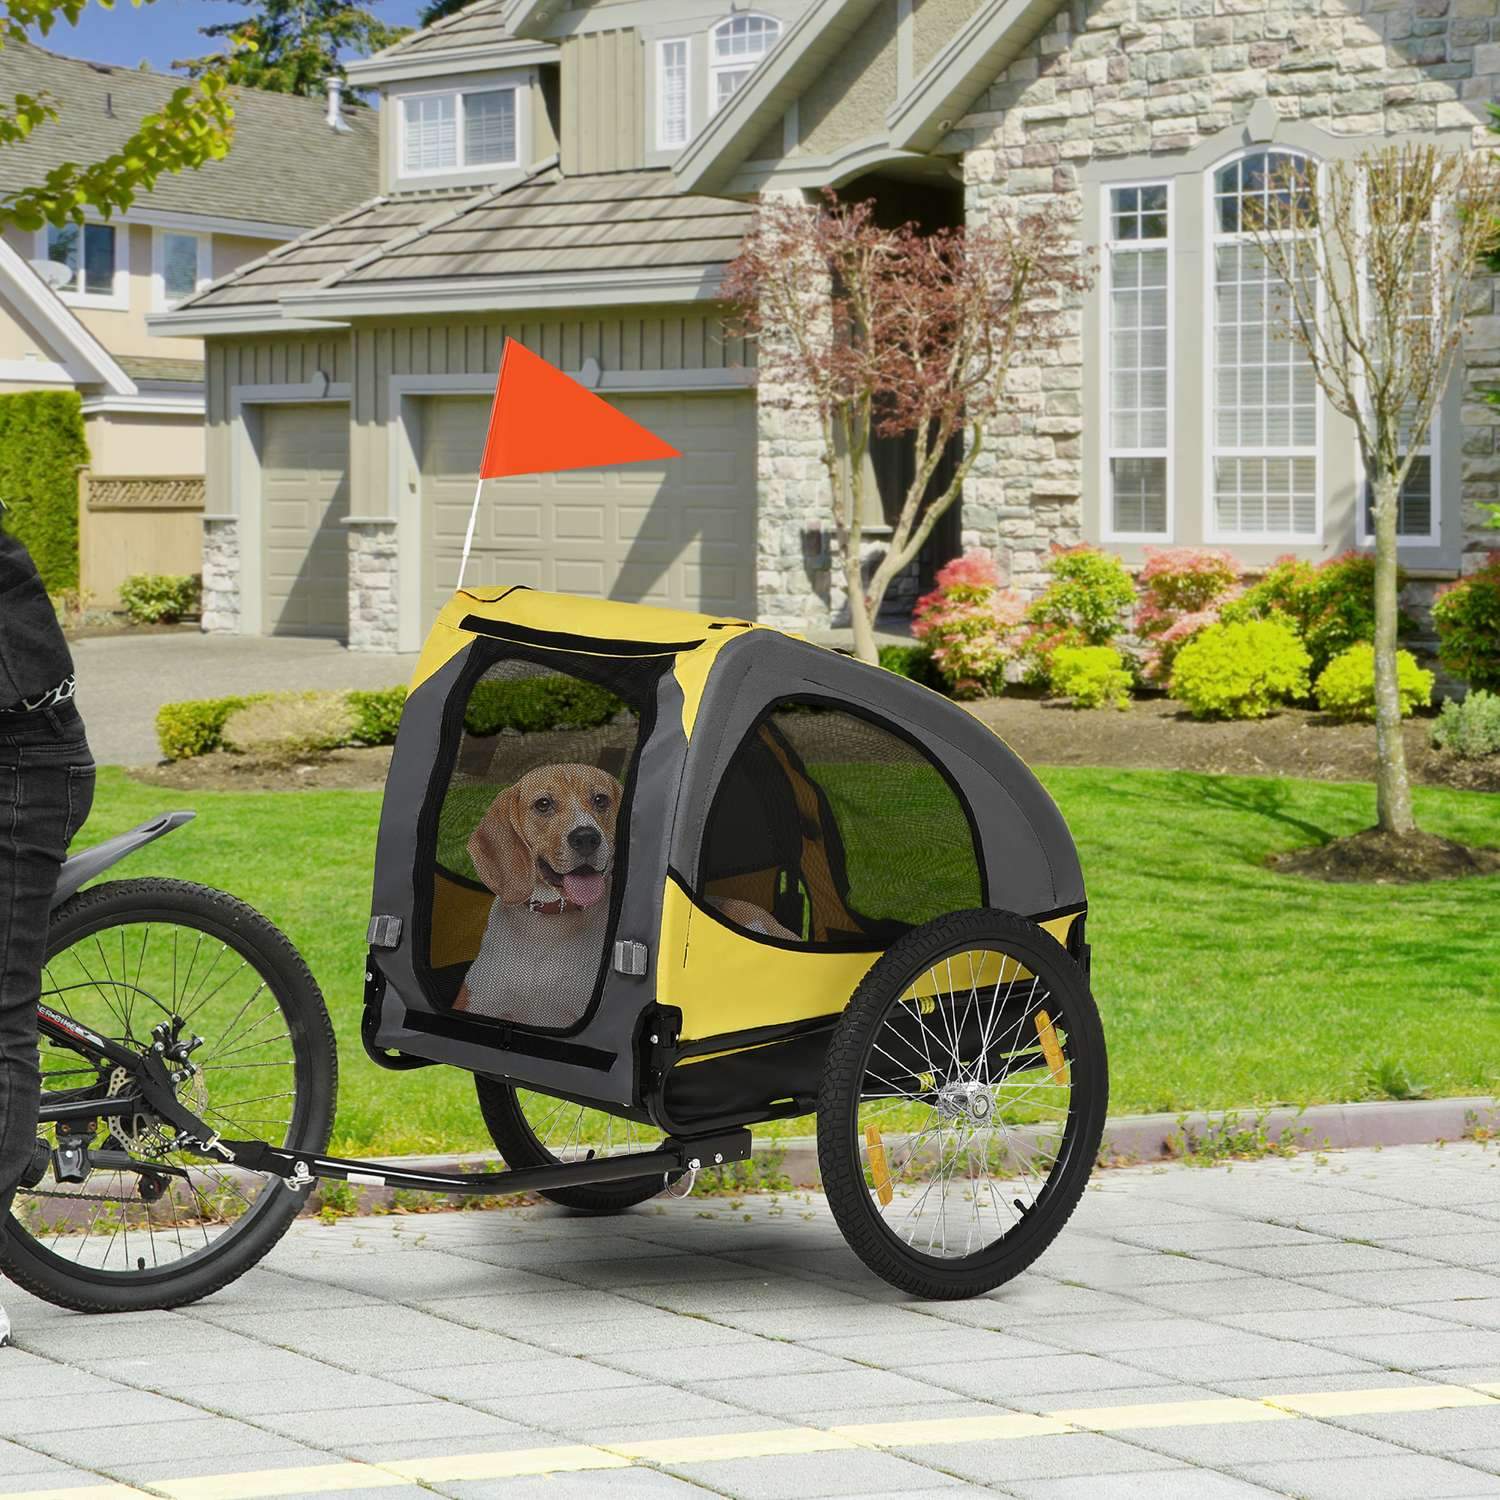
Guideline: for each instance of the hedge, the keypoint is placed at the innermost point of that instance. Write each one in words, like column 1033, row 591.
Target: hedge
column 42, row 446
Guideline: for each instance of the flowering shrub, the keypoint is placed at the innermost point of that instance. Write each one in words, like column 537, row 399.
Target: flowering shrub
column 1467, row 616
column 1331, row 606
column 1182, row 591
column 1092, row 676
column 1346, row 686
column 1084, row 605
column 968, row 622
column 1241, row 671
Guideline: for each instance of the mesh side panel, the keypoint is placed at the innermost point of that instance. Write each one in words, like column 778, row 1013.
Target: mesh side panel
column 526, row 847
column 827, row 828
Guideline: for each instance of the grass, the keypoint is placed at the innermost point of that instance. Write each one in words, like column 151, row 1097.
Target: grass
column 1222, row 985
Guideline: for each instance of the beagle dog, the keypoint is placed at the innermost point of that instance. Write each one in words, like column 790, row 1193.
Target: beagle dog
column 546, row 848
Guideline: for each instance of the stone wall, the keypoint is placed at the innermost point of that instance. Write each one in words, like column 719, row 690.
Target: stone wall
column 374, row 561
column 221, row 575
column 1150, row 78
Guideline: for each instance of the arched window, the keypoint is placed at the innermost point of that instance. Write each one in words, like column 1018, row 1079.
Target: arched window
column 1263, row 438
column 736, row 47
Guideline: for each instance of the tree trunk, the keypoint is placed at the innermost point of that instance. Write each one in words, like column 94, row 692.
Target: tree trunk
column 1392, row 785
column 860, row 619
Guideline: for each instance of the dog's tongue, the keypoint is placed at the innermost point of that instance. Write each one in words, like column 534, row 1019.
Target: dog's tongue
column 583, row 887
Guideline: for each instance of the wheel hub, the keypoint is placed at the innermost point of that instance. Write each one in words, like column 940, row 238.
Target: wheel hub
column 968, row 1102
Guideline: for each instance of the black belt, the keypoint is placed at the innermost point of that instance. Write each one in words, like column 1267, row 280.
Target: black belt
column 52, row 698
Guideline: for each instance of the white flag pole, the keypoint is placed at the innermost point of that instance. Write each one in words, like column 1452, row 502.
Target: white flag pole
column 463, row 566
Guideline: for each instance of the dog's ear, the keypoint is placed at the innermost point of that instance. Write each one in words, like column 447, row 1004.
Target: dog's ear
column 502, row 858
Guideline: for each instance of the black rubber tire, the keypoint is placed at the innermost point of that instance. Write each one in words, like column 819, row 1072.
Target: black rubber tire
column 517, row 1142
column 839, row 1153
column 85, row 1289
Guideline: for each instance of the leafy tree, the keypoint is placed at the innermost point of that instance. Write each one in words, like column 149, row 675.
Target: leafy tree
column 1374, row 261
column 893, row 333
column 291, row 46
column 193, row 126
column 437, row 10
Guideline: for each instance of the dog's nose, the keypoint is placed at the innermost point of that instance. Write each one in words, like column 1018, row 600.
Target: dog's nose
column 583, row 839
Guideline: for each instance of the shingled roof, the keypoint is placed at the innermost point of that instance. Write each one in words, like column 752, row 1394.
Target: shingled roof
column 477, row 25
column 286, row 166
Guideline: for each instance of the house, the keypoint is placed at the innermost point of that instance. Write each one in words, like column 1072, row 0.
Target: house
column 577, row 175
column 74, row 301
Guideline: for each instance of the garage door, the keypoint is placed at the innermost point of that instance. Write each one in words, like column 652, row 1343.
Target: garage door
column 680, row 534
column 304, row 461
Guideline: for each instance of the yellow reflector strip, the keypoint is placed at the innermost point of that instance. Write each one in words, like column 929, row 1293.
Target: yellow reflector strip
column 875, row 1150
column 1047, row 1035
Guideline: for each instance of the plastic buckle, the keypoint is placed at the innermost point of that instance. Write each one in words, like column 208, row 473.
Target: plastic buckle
column 631, row 958
column 385, row 932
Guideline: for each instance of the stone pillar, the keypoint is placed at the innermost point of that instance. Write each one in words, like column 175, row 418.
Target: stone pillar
column 374, row 609
column 794, row 522
column 220, row 610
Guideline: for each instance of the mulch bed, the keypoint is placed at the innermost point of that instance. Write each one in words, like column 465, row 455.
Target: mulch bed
column 1157, row 734
column 340, row 770
column 1377, row 858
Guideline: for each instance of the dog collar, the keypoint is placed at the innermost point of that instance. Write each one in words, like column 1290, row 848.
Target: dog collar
column 549, row 908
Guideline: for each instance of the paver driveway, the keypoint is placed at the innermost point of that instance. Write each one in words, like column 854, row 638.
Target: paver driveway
column 1308, row 1328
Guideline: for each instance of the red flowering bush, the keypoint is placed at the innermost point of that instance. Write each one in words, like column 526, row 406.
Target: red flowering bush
column 968, row 622
column 1182, row 591
column 1467, row 615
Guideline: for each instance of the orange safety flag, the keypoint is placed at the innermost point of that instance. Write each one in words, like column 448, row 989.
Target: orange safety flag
column 542, row 421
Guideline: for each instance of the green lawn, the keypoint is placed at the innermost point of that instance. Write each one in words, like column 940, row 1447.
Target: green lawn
column 1221, row 984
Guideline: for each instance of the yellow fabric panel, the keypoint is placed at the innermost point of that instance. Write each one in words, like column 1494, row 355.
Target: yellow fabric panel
column 459, row 916
column 722, row 981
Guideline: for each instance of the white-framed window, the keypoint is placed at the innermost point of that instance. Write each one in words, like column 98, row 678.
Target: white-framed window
column 736, row 47
column 456, row 132
column 673, row 94
column 1138, row 298
column 96, row 255
column 1265, row 422
column 181, row 264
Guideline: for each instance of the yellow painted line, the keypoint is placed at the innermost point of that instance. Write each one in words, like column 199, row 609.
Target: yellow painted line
column 1002, row 1426
column 1207, row 1413
column 305, row 1480
column 711, row 1447
column 565, row 1459
column 1381, row 1399
column 266, row 1484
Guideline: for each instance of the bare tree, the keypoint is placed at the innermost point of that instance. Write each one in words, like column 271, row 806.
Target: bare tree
column 1374, row 260
column 893, row 333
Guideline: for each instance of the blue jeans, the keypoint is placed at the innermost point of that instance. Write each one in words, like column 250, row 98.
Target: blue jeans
column 46, row 789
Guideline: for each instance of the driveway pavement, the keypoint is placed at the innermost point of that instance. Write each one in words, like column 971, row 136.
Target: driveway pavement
column 123, row 679
column 1322, row 1329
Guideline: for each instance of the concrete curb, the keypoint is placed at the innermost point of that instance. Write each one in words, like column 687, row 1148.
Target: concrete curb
column 1127, row 1140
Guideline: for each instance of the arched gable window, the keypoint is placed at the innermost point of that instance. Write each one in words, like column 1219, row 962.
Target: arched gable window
column 736, row 47
column 1264, row 422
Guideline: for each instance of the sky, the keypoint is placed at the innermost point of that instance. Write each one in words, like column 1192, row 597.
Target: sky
column 165, row 30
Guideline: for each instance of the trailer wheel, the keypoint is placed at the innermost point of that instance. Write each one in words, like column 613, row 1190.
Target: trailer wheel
column 538, row 1130
column 962, row 1104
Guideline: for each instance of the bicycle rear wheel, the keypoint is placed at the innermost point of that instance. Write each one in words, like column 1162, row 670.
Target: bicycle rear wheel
column 171, row 1226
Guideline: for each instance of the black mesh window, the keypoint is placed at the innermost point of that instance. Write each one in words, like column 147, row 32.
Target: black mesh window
column 525, row 837
column 828, row 828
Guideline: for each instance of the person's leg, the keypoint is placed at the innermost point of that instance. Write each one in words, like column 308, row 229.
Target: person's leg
column 46, row 788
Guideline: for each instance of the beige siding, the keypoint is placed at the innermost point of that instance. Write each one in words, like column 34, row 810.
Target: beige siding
column 850, row 97
column 125, row 443
column 934, row 23
column 604, row 102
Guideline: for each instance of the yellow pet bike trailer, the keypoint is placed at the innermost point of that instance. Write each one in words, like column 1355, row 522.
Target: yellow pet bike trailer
column 652, row 878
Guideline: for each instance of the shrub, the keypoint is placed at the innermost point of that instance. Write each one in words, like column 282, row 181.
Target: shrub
column 290, row 726
column 42, row 447
column 536, row 703
column 915, row 663
column 1182, row 592
column 1092, row 676
column 196, row 726
column 377, row 713
column 1346, row 686
column 1084, row 605
column 968, row 623
column 72, row 606
column 1332, row 605
column 1241, row 671
column 160, row 598
column 1467, row 616
column 1471, row 728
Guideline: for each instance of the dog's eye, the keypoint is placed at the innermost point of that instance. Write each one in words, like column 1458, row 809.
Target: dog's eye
column 601, row 802
column 543, row 805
